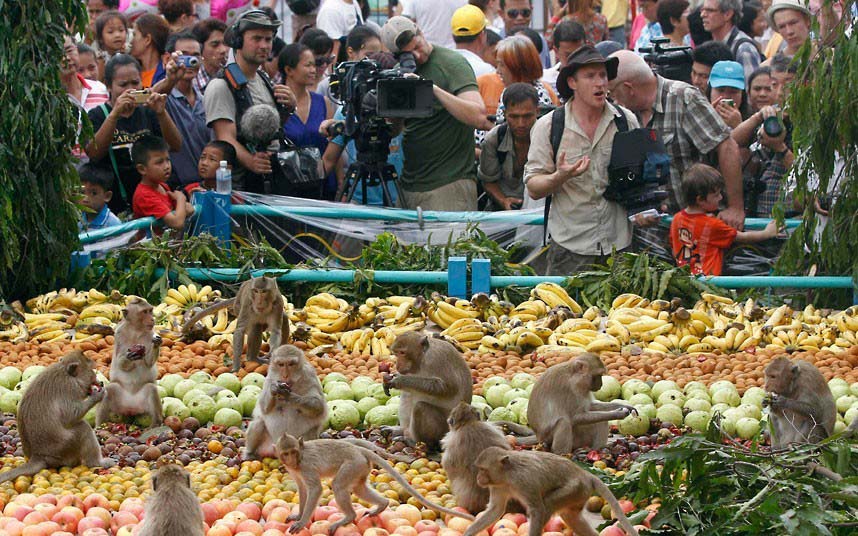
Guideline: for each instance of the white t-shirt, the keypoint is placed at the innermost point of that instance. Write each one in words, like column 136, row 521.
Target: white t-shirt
column 433, row 17
column 479, row 66
column 337, row 17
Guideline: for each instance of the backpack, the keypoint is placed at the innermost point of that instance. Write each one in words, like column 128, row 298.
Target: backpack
column 734, row 44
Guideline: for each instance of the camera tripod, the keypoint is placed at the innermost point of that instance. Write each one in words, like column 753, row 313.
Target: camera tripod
column 369, row 174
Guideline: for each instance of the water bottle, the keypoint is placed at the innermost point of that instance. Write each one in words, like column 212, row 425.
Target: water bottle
column 223, row 178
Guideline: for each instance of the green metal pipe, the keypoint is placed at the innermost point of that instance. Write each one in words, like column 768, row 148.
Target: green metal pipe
column 100, row 234
column 319, row 276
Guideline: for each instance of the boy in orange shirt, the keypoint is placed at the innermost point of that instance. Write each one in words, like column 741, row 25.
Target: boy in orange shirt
column 698, row 239
column 151, row 156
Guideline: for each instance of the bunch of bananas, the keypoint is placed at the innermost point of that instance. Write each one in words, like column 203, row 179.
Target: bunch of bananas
column 12, row 329
column 50, row 327
column 520, row 338
column 466, row 332
column 444, row 311
column 368, row 341
column 555, row 296
column 330, row 314
column 186, row 297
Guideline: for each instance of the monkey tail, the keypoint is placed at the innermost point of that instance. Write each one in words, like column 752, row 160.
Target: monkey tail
column 205, row 312
column 380, row 451
column 508, row 427
column 28, row 469
column 606, row 494
column 381, row 462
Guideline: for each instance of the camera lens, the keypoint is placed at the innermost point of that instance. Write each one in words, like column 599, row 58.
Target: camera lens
column 773, row 127
column 189, row 61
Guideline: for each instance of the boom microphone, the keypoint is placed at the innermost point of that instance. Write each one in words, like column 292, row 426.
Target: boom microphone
column 260, row 125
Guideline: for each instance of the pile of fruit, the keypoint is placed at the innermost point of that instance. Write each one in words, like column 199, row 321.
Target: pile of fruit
column 551, row 321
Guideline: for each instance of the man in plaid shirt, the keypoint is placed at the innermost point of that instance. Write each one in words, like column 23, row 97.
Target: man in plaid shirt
column 209, row 33
column 690, row 129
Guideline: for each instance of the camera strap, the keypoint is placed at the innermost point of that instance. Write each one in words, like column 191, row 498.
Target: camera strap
column 558, row 123
column 113, row 159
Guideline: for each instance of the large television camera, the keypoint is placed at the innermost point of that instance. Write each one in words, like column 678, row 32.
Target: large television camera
column 369, row 95
column 672, row 62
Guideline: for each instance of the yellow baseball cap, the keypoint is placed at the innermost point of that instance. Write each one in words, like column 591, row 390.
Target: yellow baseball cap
column 468, row 20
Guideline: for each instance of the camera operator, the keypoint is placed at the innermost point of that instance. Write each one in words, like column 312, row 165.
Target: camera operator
column 251, row 36
column 439, row 150
column 690, row 128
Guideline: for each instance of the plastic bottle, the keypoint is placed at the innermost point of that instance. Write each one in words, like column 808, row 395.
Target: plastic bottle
column 223, row 178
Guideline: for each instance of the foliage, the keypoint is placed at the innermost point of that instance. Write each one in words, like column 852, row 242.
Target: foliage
column 38, row 216
column 823, row 105
column 707, row 487
column 149, row 268
column 640, row 274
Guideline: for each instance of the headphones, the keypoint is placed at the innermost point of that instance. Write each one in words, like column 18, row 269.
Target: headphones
column 234, row 36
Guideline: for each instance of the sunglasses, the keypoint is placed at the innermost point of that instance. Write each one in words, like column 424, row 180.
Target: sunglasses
column 324, row 60
column 514, row 13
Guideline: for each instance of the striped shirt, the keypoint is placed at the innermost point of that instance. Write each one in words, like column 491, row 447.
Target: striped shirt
column 93, row 94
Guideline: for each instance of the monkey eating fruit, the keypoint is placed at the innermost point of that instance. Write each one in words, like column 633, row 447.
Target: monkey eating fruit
column 50, row 418
column 801, row 406
column 348, row 464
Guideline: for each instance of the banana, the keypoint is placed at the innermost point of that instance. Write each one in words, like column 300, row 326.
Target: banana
column 618, row 330
column 324, row 300
column 96, row 296
column 592, row 313
column 177, row 296
column 528, row 339
column 556, row 296
column 623, row 300
column 575, row 324
column 323, row 313
column 399, row 300
column 542, row 332
column 777, row 316
column 604, row 344
column 457, row 312
column 402, row 312
column 687, row 341
column 700, row 316
column 463, row 324
column 714, row 298
column 222, row 320
column 700, row 347
column 658, row 347
column 336, row 325
column 463, row 337
column 493, row 343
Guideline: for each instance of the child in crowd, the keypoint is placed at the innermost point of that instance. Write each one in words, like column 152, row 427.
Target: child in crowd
column 111, row 34
column 87, row 66
column 213, row 153
column 97, row 185
column 699, row 239
column 151, row 156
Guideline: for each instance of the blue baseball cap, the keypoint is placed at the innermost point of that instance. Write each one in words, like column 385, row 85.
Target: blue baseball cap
column 727, row 74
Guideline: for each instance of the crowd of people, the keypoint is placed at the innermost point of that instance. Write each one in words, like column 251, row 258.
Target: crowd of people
column 521, row 118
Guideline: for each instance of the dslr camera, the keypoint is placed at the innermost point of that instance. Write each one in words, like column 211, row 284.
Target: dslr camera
column 672, row 62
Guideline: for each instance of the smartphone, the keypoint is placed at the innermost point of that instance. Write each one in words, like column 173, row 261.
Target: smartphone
column 140, row 95
column 729, row 102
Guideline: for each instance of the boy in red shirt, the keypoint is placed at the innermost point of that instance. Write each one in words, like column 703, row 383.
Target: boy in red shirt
column 698, row 239
column 151, row 156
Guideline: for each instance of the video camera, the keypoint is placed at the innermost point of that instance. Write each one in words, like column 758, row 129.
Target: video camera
column 672, row 62
column 368, row 92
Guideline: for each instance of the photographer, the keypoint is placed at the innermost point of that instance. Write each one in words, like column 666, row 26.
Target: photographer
column 122, row 121
column 251, row 36
column 439, row 150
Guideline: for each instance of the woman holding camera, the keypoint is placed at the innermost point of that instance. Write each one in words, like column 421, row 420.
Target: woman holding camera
column 130, row 114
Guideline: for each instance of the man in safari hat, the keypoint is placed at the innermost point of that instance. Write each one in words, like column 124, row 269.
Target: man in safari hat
column 791, row 19
column 584, row 226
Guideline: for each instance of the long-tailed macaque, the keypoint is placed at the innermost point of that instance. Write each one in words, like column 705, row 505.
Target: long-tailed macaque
column 258, row 306
column 133, row 370
column 348, row 464
column 467, row 439
column 433, row 377
column 173, row 508
column 292, row 401
column 50, row 418
column 544, row 483
column 562, row 411
column 801, row 407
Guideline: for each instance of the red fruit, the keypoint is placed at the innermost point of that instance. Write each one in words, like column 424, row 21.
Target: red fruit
column 384, row 367
column 594, row 456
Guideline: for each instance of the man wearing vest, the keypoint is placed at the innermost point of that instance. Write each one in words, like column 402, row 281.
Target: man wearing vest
column 584, row 226
column 720, row 18
column 251, row 36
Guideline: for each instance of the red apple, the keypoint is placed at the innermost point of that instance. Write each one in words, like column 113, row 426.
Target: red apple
column 369, row 522
column 219, row 530
column 123, row 518
column 324, row 512
column 100, row 513
column 627, row 506
column 555, row 524
column 210, row 513
column 424, row 525
column 518, row 519
column 251, row 510
column 320, row 527
column 34, row 518
column 68, row 518
column 249, row 525
column 70, row 500
column 96, row 531
column 271, row 505
column 613, row 530
column 95, row 499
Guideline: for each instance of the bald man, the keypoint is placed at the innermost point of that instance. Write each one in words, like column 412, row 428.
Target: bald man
column 692, row 132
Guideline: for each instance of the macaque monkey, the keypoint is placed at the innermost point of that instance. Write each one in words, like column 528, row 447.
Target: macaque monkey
column 801, row 407
column 50, row 418
column 433, row 377
column 544, row 483
column 467, row 439
column 173, row 508
column 258, row 306
column 133, row 370
column 562, row 411
column 292, row 401
column 348, row 464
